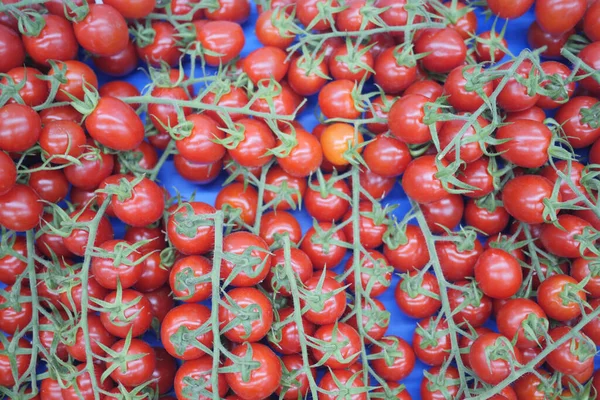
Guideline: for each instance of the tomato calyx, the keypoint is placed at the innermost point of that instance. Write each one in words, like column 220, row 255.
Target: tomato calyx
column 188, row 222
column 116, row 310
column 353, row 58
column 246, row 263
column 591, row 116
column 316, row 298
column 495, row 42
column 535, row 327
column 186, row 281
column 389, row 351
column 442, row 380
column 326, row 185
column 582, row 347
column 501, row 349
column 118, row 359
column 412, row 284
column 243, row 365
column 143, row 34
column 395, row 235
column 431, row 334
column 571, row 293
column 326, row 238
column 30, row 22
column 186, row 338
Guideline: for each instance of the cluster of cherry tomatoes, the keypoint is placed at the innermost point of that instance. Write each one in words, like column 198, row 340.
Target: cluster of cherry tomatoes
column 118, row 289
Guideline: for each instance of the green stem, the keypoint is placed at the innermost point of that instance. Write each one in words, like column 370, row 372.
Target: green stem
column 297, row 314
column 216, row 295
column 35, row 325
column 443, row 284
column 85, row 273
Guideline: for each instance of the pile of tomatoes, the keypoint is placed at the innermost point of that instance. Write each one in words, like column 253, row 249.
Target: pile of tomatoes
column 117, row 288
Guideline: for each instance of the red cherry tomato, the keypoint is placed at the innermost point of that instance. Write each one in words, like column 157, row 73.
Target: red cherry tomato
column 103, row 31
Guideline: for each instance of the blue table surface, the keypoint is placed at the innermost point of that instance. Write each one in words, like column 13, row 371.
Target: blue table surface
column 400, row 324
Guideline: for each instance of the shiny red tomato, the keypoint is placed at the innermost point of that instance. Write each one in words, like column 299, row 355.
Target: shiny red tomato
column 275, row 224
column 514, row 96
column 134, row 318
column 342, row 335
column 103, row 31
column 20, row 208
column 266, row 63
column 194, row 379
column 287, row 190
column 12, row 51
column 262, row 380
column 252, row 311
column 417, row 295
column 223, row 39
column 527, row 143
column 115, row 124
column 56, row 41
column 119, row 64
column 190, row 230
column 133, row 8
column 523, row 198
column 32, row 90
column 537, row 37
column 387, row 156
column 478, row 306
column 420, row 182
column 573, row 356
column 375, row 273
column 564, row 241
column 457, row 85
column 62, row 138
column 335, row 382
column 578, row 121
column 492, row 370
column 398, row 359
column 407, row 250
column 277, row 280
column 182, row 321
column 336, row 100
column 407, row 119
column 444, row 49
column 559, row 16
column 109, row 273
column 327, row 300
column 551, row 297
column 246, row 259
column 509, row 9
column 20, row 127
column 431, row 341
column 257, row 140
column 520, row 318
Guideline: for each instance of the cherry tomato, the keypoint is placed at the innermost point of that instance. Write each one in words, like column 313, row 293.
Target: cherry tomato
column 133, row 8
column 119, row 64
column 557, row 85
column 294, row 383
column 181, row 322
column 573, row 356
column 518, row 318
column 353, row 63
column 420, row 182
column 284, row 336
column 103, row 31
column 275, row 224
column 330, row 294
column 431, row 341
column 407, row 119
column 457, row 85
column 189, row 230
column 56, row 41
column 342, row 335
column 253, row 323
column 582, row 268
column 81, row 388
column 307, row 76
column 194, row 379
column 32, row 90
column 372, row 225
column 224, row 38
column 137, row 312
column 375, row 320
column 20, row 208
column 161, row 302
column 489, row 370
column 427, row 88
column 400, row 360
column 589, row 56
column 257, row 140
column 277, row 279
column 537, row 37
column 563, row 241
column 581, row 129
column 444, row 213
column 94, row 166
column 109, row 274
column 154, row 273
column 20, row 127
column 392, row 75
column 486, row 53
column 493, row 266
column 335, row 382
column 336, row 100
column 478, row 306
column 98, row 335
column 20, row 361
column 268, row 34
column 484, row 220
column 375, row 273
column 163, row 48
column 60, row 113
column 337, row 140
column 62, row 138
column 253, row 250
column 328, row 202
column 8, row 172
column 559, row 16
column 266, row 63
column 416, row 295
column 115, row 124
column 263, row 380
column 551, row 294
column 591, row 21
column 509, row 9
column 12, row 52
column 234, row 97
column 527, row 143
column 287, row 190
column 386, row 156
column 430, row 389
column 411, row 250
column 514, row 96
column 444, row 48
column 195, row 172
column 305, row 157
column 523, row 198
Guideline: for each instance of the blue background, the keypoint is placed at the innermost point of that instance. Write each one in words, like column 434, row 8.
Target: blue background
column 400, row 325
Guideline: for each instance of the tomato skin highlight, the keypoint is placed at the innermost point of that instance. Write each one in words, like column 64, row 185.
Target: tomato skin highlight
column 115, row 124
